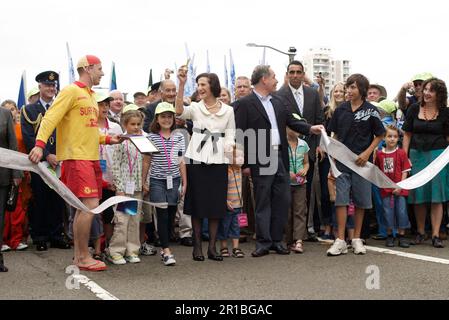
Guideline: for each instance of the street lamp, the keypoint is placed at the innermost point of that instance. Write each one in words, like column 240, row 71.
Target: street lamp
column 291, row 51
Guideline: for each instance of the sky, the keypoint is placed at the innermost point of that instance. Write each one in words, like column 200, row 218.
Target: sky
column 387, row 41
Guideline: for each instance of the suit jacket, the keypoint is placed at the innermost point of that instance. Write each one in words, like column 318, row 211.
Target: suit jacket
column 149, row 111
column 312, row 111
column 8, row 141
column 30, row 122
column 251, row 114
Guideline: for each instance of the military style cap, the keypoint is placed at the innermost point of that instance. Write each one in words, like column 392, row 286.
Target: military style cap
column 48, row 77
column 154, row 87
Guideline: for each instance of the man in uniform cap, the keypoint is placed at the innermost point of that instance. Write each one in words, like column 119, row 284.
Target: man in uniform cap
column 46, row 208
column 153, row 92
column 75, row 115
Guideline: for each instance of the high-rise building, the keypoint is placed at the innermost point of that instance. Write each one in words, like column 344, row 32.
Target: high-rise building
column 320, row 59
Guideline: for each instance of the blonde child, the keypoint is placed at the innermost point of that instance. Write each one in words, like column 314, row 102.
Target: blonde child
column 297, row 214
column 127, row 177
column 228, row 227
column 166, row 173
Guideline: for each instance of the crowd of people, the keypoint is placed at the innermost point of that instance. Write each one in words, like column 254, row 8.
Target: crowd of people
column 231, row 167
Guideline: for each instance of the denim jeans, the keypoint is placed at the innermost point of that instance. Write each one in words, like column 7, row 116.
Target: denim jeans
column 395, row 210
column 228, row 227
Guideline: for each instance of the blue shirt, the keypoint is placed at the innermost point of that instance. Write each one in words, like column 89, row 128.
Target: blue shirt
column 268, row 106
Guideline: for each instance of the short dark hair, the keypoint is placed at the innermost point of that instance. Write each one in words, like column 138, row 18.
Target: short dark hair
column 296, row 63
column 439, row 87
column 361, row 82
column 259, row 72
column 214, row 83
column 156, row 128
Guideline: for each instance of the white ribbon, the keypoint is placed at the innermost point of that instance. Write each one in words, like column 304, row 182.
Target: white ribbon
column 372, row 173
column 19, row 161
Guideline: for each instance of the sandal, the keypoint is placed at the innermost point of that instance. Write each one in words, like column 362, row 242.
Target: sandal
column 237, row 253
column 224, row 252
column 96, row 266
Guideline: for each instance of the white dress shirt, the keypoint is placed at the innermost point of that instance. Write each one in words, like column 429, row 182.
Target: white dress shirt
column 298, row 94
column 268, row 106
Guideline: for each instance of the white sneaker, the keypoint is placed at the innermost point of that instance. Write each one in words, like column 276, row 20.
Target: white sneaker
column 132, row 258
column 358, row 247
column 169, row 260
column 5, row 248
column 338, row 247
column 22, row 246
column 116, row 259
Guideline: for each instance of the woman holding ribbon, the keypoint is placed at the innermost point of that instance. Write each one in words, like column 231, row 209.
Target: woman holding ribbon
column 207, row 157
column 426, row 131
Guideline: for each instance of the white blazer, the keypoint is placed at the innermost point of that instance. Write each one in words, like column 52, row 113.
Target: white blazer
column 213, row 134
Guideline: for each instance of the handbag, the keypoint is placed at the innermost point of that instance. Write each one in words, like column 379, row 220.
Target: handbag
column 242, row 216
column 11, row 201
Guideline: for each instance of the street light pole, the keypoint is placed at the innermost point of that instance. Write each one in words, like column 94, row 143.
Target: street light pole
column 291, row 51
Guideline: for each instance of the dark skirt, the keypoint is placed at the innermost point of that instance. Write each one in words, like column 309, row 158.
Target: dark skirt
column 207, row 188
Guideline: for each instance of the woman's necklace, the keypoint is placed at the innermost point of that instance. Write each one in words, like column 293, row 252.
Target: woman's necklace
column 212, row 106
column 435, row 115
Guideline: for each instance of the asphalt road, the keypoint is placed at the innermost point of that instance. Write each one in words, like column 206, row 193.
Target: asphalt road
column 312, row 275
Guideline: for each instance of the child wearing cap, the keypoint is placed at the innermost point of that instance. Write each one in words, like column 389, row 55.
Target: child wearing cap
column 167, row 173
column 127, row 172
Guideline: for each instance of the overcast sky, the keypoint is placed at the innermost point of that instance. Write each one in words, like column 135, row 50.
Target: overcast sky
column 388, row 41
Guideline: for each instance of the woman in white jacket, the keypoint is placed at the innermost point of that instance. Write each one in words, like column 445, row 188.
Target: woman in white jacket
column 207, row 157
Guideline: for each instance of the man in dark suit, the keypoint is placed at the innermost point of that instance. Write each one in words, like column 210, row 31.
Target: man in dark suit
column 264, row 118
column 7, row 176
column 46, row 207
column 306, row 102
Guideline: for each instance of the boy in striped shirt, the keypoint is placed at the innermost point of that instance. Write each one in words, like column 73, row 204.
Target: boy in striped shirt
column 229, row 227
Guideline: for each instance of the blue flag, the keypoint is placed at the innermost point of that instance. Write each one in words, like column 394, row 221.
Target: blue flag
column 232, row 70
column 21, row 99
column 113, row 85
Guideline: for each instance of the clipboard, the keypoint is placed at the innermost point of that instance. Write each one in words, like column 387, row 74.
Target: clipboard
column 142, row 143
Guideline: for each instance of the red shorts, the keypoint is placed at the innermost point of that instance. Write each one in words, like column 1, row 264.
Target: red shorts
column 82, row 177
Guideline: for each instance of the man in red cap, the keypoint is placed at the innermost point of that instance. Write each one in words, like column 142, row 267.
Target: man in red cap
column 74, row 114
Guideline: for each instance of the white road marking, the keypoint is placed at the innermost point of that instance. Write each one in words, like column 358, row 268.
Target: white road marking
column 94, row 288
column 408, row 255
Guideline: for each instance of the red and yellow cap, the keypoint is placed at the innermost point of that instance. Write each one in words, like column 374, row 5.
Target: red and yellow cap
column 87, row 60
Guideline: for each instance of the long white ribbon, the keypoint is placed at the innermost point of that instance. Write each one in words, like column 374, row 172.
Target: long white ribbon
column 372, row 173
column 19, row 161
